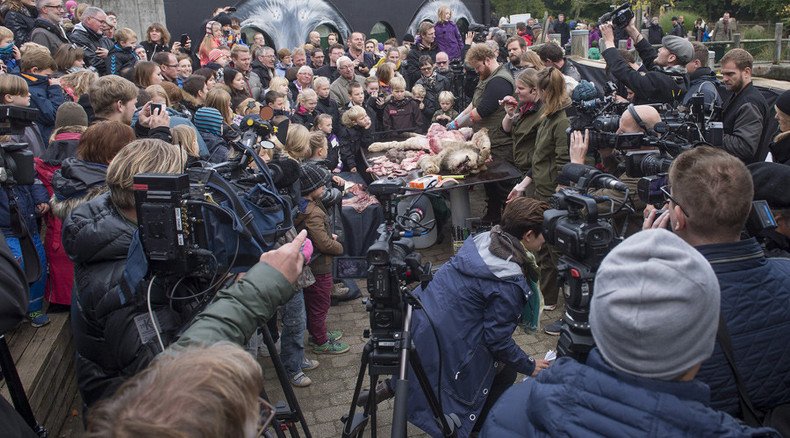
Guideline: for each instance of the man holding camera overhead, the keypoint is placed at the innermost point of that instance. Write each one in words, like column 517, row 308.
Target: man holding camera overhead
column 665, row 80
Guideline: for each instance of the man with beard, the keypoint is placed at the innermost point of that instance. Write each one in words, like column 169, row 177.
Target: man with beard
column 329, row 71
column 426, row 46
column 314, row 38
column 363, row 60
column 48, row 31
column 745, row 115
column 263, row 65
column 516, row 46
column 317, row 59
column 484, row 111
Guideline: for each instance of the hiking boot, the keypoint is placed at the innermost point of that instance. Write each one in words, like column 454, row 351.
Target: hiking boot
column 554, row 328
column 300, row 380
column 331, row 348
column 331, row 335
column 38, row 319
column 383, row 392
column 309, row 364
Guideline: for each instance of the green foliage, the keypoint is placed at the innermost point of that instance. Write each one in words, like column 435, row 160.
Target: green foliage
column 508, row 7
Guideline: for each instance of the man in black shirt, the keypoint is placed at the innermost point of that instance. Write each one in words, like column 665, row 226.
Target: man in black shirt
column 563, row 28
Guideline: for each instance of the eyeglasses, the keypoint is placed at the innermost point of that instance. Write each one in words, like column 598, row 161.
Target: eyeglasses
column 171, row 66
column 426, row 68
column 667, row 197
column 265, row 417
column 58, row 7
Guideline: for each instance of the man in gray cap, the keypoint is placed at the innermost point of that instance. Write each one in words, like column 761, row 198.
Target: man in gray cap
column 654, row 317
column 709, row 197
column 665, row 80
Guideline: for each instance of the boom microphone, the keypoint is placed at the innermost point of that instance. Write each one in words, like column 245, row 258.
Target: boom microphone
column 588, row 176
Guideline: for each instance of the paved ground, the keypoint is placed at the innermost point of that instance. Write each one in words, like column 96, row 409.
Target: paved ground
column 329, row 397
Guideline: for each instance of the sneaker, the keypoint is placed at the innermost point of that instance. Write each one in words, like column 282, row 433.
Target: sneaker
column 309, row 364
column 38, row 319
column 331, row 335
column 549, row 308
column 300, row 380
column 553, row 328
column 339, row 289
column 331, row 348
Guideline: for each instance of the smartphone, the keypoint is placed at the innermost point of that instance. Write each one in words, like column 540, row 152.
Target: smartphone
column 184, row 39
column 156, row 108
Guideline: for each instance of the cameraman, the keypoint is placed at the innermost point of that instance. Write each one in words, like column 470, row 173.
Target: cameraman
column 709, row 197
column 665, row 81
column 484, row 111
column 490, row 285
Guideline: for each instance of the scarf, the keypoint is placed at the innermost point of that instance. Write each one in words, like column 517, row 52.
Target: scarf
column 508, row 247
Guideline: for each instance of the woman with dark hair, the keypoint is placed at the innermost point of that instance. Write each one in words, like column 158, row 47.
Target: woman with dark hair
column 146, row 73
column 238, row 86
column 157, row 39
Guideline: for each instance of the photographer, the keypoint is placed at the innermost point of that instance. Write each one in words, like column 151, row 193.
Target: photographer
column 709, row 197
column 492, row 283
column 484, row 111
column 654, row 316
column 665, row 80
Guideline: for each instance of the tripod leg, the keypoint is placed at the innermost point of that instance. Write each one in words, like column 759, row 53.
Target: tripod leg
column 290, row 396
column 433, row 401
column 276, row 426
column 17, row 391
column 349, row 424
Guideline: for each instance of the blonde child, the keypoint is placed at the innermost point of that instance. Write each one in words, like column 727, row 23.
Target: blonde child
column 122, row 56
column 446, row 112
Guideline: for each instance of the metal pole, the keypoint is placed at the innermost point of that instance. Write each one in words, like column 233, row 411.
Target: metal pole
column 778, row 38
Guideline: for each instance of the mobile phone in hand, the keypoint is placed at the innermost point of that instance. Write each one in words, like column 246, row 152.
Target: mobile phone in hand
column 156, row 108
column 184, row 39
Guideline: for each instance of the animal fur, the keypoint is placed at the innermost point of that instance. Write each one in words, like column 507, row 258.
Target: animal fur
column 459, row 157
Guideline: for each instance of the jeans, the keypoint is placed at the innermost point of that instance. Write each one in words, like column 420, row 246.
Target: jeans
column 36, row 302
column 292, row 336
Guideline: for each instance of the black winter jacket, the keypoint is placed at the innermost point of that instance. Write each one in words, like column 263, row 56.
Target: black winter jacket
column 746, row 119
column 152, row 49
column 434, row 85
column 22, row 23
column 119, row 59
column 75, row 183
column 780, row 151
column 264, row 73
column 304, row 118
column 217, row 147
column 652, row 86
column 49, row 35
column 90, row 41
column 97, row 238
column 329, row 106
column 412, row 73
column 353, row 141
column 403, row 115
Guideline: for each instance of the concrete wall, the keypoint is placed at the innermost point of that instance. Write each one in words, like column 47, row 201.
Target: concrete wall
column 135, row 14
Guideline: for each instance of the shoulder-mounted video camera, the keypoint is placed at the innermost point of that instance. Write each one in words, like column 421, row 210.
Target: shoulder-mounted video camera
column 620, row 17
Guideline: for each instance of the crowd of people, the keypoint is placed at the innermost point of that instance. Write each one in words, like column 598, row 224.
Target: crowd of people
column 112, row 104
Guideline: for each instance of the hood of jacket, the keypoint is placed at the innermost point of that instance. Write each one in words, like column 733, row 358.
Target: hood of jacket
column 702, row 74
column 76, row 177
column 34, row 80
column 475, row 259
column 96, row 231
column 64, row 146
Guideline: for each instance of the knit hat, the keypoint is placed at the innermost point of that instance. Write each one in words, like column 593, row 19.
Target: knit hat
column 770, row 184
column 679, row 47
column 312, row 177
column 214, row 55
column 70, row 114
column 223, row 18
column 208, row 119
column 783, row 102
column 408, row 37
column 655, row 309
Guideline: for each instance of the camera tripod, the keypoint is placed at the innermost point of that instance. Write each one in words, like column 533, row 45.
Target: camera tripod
column 17, row 391
column 387, row 355
column 286, row 415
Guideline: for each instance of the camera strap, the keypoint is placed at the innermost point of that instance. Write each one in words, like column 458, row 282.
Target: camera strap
column 30, row 262
column 638, row 120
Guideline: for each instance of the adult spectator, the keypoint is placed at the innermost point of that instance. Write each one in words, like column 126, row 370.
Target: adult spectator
column 745, row 114
column 700, row 30
column 677, row 29
column 242, row 61
column 484, row 111
column 770, row 180
column 339, row 88
column 667, row 83
column 157, row 40
column 650, row 342
column 425, row 47
column 524, row 32
column 298, row 60
column 168, row 63
column 655, row 33
column 523, row 118
column 491, row 280
column 698, row 179
column 314, row 38
column 701, row 78
column 317, row 59
column 564, row 29
column 112, row 25
column 724, row 28
column 20, row 16
column 443, row 65
column 516, row 47
column 780, row 148
column 448, row 38
column 113, row 98
column 48, row 31
column 362, row 60
column 552, row 55
column 263, row 65
column 303, row 81
column 88, row 34
column 330, row 70
column 433, row 83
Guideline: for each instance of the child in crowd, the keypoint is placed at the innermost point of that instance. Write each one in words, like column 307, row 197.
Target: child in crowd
column 122, row 54
column 280, row 85
column 594, row 52
column 446, row 112
column 276, row 101
column 186, row 137
column 45, row 93
column 354, row 136
column 305, row 110
column 283, row 63
column 18, row 219
column 356, row 95
column 314, row 218
column 9, row 53
column 418, row 93
column 209, row 124
column 324, row 124
column 246, row 107
column 401, row 113
column 326, row 105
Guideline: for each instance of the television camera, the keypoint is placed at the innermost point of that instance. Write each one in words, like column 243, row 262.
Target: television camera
column 620, row 16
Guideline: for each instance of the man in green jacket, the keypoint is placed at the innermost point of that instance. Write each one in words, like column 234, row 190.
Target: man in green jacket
column 238, row 310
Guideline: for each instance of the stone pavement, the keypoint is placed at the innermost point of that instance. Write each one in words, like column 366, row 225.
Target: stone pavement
column 329, row 397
